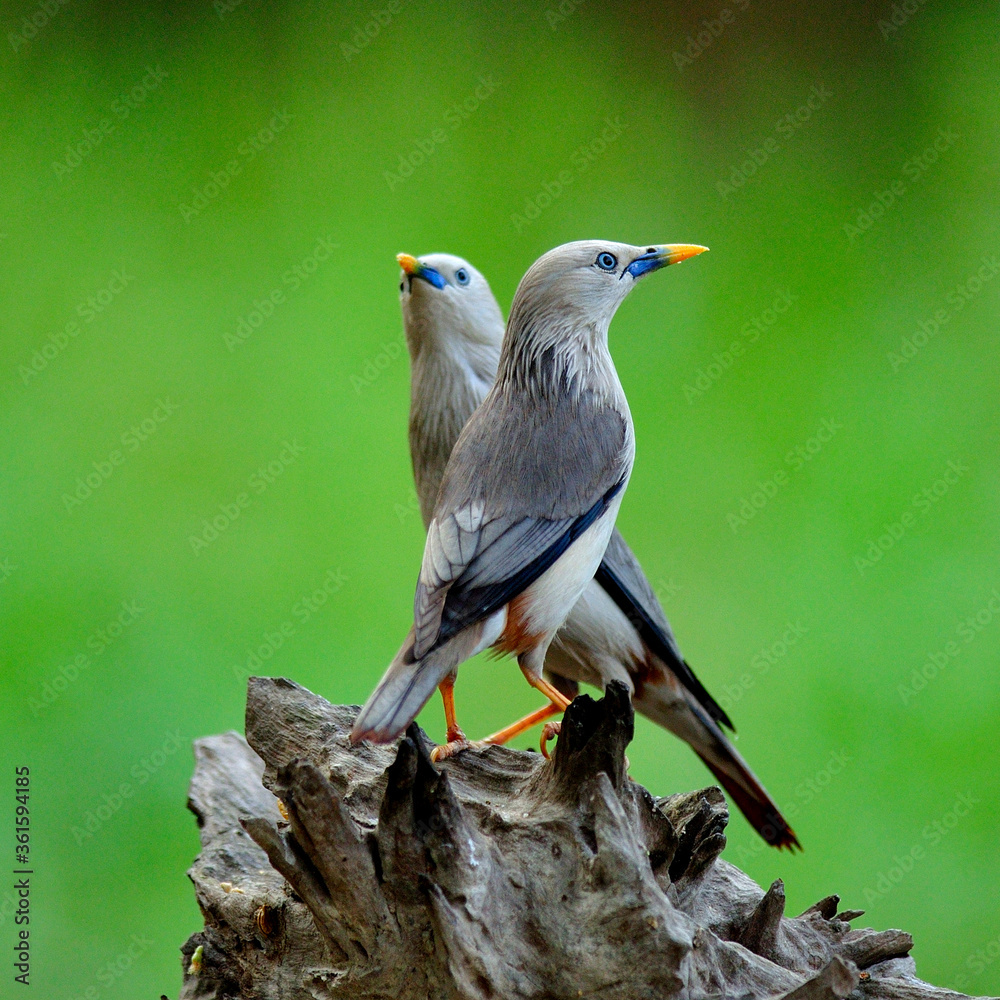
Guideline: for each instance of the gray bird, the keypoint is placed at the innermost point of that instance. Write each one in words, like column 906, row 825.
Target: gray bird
column 530, row 491
column 617, row 629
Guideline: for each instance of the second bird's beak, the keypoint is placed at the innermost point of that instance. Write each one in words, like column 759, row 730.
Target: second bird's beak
column 412, row 267
column 657, row 257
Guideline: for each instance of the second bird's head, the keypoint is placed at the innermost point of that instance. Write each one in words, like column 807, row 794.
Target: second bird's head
column 582, row 284
column 447, row 305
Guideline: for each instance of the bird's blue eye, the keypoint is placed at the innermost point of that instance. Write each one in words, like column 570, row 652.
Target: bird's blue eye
column 462, row 276
column 607, row 261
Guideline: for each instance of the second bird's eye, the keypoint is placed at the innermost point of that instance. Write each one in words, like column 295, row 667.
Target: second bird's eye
column 607, row 261
column 462, row 276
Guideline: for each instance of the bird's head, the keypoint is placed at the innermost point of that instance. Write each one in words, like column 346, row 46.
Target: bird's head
column 582, row 284
column 447, row 305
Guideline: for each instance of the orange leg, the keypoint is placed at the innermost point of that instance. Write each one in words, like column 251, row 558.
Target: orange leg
column 456, row 739
column 447, row 689
column 553, row 694
column 516, row 728
column 558, row 699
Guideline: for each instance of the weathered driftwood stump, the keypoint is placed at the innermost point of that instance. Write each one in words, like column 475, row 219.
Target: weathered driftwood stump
column 496, row 875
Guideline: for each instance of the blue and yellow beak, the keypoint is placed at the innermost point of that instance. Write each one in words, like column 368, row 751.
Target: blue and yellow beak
column 656, row 257
column 414, row 269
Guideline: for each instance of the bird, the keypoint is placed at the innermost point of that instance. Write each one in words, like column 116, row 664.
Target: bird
column 530, row 491
column 617, row 629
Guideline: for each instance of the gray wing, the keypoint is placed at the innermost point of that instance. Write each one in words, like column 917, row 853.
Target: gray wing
column 622, row 577
column 520, row 487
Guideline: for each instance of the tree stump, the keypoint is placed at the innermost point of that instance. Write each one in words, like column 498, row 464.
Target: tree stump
column 496, row 875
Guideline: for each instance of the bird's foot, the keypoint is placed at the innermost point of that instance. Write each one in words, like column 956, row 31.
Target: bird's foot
column 549, row 731
column 457, row 741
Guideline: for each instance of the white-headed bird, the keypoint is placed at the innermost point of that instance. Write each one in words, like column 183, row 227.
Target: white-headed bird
column 617, row 628
column 531, row 489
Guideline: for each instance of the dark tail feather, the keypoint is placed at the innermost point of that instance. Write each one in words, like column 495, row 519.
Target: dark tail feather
column 666, row 705
column 759, row 808
column 652, row 635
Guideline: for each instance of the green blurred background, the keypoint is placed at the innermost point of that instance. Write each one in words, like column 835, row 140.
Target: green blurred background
column 250, row 150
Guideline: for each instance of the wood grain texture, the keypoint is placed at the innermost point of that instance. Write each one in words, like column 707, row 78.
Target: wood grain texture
column 497, row 874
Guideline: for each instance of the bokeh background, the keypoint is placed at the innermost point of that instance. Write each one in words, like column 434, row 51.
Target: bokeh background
column 213, row 194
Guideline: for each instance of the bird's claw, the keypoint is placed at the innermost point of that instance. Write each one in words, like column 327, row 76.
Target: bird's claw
column 549, row 731
column 454, row 746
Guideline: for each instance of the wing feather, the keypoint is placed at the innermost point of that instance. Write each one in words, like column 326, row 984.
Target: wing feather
column 511, row 503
